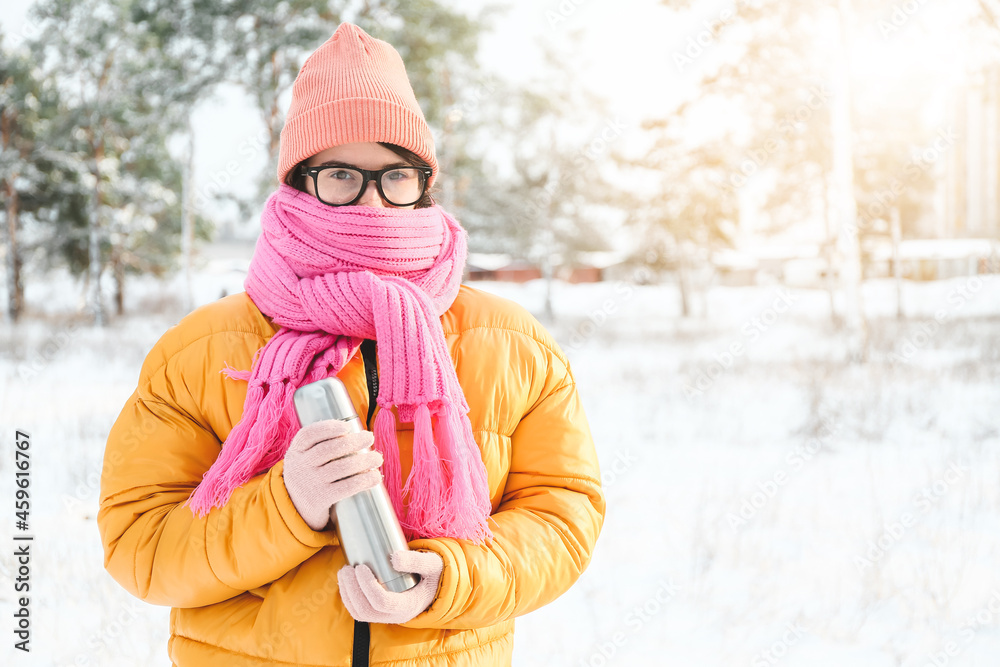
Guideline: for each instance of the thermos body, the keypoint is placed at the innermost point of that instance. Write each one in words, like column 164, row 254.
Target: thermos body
column 366, row 522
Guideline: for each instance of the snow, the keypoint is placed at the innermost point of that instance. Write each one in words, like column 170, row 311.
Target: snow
column 771, row 505
column 880, row 249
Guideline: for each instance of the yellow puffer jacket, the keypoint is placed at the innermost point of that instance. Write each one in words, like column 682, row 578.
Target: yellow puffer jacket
column 252, row 584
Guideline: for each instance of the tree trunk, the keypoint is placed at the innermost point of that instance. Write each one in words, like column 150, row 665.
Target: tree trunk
column 15, row 288
column 844, row 201
column 897, row 271
column 187, row 220
column 684, row 281
column 547, row 270
column 447, row 158
column 94, row 268
column 274, row 113
column 118, row 270
column 829, row 248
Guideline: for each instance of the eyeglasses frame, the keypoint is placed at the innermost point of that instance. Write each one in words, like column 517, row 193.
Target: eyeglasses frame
column 367, row 175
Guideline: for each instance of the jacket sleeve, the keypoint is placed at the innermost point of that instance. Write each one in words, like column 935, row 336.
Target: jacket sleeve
column 545, row 527
column 158, row 449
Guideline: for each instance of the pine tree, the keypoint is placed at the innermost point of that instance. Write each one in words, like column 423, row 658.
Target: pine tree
column 18, row 105
column 39, row 183
column 122, row 100
column 190, row 36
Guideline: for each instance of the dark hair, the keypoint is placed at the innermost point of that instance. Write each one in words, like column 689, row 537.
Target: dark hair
column 297, row 179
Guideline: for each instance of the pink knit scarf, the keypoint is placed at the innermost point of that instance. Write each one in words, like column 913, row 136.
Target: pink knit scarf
column 331, row 277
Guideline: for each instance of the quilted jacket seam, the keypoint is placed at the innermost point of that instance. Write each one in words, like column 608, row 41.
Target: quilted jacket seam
column 555, row 353
column 269, row 661
column 191, row 342
column 384, row 663
column 465, row 649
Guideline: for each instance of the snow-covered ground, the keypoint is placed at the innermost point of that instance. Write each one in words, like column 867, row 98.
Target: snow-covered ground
column 769, row 502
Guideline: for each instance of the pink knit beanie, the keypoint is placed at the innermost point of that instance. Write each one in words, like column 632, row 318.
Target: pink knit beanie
column 353, row 88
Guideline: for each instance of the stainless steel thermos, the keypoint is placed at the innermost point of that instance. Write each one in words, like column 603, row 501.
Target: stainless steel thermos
column 366, row 523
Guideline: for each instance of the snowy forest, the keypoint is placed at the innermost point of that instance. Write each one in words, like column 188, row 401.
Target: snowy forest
column 787, row 342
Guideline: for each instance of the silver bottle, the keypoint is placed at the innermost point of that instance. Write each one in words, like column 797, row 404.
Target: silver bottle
column 366, row 523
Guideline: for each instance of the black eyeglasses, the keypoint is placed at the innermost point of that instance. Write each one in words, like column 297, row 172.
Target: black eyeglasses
column 343, row 186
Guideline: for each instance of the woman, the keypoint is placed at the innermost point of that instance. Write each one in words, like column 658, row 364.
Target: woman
column 215, row 502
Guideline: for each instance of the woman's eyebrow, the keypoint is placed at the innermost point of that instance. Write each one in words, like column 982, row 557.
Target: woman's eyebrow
column 338, row 163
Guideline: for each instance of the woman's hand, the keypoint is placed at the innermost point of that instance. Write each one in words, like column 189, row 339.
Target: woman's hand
column 367, row 600
column 324, row 464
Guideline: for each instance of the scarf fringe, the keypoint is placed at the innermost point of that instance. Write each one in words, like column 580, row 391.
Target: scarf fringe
column 425, row 487
column 249, row 447
column 468, row 477
column 235, row 373
column 386, row 443
column 447, row 486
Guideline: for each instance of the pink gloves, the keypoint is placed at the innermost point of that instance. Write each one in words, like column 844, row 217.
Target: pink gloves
column 324, row 464
column 367, row 600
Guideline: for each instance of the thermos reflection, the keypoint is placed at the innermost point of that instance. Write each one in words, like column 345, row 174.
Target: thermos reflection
column 366, row 523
